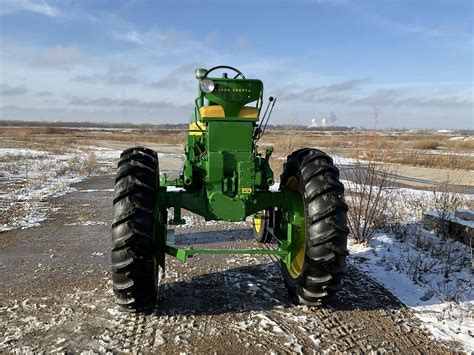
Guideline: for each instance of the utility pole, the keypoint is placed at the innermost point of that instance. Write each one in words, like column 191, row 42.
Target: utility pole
column 123, row 104
column 376, row 117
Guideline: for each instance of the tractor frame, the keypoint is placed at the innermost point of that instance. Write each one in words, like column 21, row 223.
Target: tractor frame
column 231, row 180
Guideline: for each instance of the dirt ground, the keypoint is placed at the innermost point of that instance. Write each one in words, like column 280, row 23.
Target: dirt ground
column 56, row 295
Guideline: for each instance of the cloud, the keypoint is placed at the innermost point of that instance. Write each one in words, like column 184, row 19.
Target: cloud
column 174, row 38
column 115, row 75
column 385, row 98
column 44, row 93
column 178, row 77
column 453, row 31
column 7, row 90
column 348, row 85
column 445, row 101
column 121, row 75
column 88, row 79
column 131, row 37
column 127, row 103
column 315, row 92
column 398, row 98
column 59, row 57
column 380, row 97
column 168, row 39
column 39, row 7
column 168, row 47
column 241, row 42
column 403, row 106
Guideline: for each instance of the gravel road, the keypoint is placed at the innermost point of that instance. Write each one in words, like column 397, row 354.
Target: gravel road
column 56, row 295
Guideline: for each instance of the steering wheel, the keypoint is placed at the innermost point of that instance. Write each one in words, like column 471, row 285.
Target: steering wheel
column 239, row 73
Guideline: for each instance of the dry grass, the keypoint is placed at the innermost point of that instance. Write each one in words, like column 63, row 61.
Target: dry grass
column 49, row 139
column 467, row 145
column 408, row 149
column 90, row 164
column 448, row 161
column 60, row 140
column 152, row 136
column 425, row 144
column 80, row 164
column 426, row 150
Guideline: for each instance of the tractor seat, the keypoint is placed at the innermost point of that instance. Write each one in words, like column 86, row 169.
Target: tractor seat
column 218, row 111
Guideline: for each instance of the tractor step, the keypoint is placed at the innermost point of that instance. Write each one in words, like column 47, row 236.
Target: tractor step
column 183, row 253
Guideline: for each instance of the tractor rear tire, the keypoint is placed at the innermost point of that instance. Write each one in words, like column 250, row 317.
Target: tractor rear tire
column 134, row 266
column 326, row 231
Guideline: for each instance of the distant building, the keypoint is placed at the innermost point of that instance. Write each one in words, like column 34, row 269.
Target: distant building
column 324, row 122
column 314, row 123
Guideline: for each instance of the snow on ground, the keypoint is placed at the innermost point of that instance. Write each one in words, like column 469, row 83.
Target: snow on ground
column 28, row 177
column 340, row 161
column 415, row 276
column 460, row 138
column 451, row 216
column 428, row 273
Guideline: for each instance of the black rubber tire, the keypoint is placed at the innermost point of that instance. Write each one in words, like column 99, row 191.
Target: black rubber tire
column 262, row 235
column 134, row 267
column 326, row 227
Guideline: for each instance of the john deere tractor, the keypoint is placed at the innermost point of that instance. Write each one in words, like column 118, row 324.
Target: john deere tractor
column 225, row 178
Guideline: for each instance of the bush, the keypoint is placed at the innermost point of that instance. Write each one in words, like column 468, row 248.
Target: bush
column 445, row 204
column 79, row 164
column 90, row 164
column 368, row 199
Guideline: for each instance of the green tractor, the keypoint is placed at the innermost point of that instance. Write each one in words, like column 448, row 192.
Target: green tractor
column 224, row 177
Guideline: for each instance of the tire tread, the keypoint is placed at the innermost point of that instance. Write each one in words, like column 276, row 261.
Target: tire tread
column 132, row 229
column 327, row 231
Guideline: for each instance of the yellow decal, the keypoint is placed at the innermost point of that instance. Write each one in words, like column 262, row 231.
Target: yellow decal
column 246, row 190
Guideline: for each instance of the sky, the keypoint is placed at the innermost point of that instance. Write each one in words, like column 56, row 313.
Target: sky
column 379, row 63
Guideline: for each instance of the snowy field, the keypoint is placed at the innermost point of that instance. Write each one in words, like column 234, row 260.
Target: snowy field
column 427, row 273
column 28, row 177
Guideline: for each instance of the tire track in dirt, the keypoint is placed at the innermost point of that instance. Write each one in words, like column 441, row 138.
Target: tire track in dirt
column 235, row 304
